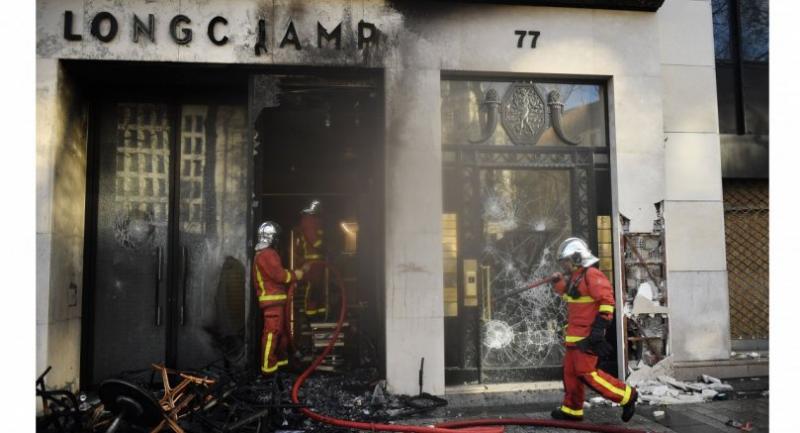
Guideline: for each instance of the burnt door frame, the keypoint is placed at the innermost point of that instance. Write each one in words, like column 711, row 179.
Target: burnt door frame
column 99, row 98
column 264, row 88
column 467, row 162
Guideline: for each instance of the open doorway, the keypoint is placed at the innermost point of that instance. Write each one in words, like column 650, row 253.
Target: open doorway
column 319, row 137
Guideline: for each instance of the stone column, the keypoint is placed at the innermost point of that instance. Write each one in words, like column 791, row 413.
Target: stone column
column 61, row 123
column 414, row 299
column 693, row 212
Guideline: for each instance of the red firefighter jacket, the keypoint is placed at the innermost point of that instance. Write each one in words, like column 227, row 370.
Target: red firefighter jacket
column 311, row 238
column 596, row 297
column 270, row 278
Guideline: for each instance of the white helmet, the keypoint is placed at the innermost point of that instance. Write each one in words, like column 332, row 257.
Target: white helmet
column 268, row 233
column 313, row 207
column 577, row 251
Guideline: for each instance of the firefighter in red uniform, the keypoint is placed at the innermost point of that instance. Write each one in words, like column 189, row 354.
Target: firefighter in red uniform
column 590, row 310
column 271, row 280
column 310, row 253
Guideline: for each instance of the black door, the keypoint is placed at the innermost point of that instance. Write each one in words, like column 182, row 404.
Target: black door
column 525, row 166
column 133, row 214
column 169, row 251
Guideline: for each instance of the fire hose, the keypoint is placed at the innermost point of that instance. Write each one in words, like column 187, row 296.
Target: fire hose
column 479, row 425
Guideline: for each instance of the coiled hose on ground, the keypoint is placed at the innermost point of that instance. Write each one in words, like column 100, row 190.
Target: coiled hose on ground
column 478, row 425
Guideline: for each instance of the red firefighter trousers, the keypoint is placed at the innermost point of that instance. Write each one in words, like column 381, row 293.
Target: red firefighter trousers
column 274, row 338
column 580, row 368
column 315, row 290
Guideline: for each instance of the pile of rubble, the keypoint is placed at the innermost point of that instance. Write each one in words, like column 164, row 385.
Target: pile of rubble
column 656, row 385
column 222, row 400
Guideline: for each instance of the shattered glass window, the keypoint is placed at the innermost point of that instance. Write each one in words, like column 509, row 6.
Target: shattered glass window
column 497, row 112
column 520, row 158
column 525, row 214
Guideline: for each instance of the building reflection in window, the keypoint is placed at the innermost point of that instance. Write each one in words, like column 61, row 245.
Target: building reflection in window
column 464, row 115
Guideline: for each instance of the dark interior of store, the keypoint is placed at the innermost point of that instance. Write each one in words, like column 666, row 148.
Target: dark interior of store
column 321, row 138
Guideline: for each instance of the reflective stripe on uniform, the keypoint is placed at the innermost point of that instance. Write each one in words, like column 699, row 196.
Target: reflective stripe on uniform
column 625, row 394
column 318, row 243
column 579, row 300
column 288, row 277
column 317, row 311
column 260, row 282
column 573, row 338
column 265, row 367
column 573, row 412
column 606, row 308
column 280, row 297
column 312, row 256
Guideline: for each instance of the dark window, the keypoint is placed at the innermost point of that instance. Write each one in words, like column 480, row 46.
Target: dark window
column 755, row 30
column 722, row 29
column 741, row 46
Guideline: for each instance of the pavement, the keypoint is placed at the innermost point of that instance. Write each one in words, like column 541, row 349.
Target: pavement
column 748, row 402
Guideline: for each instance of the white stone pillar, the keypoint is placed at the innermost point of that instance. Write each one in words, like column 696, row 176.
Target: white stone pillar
column 60, row 214
column 693, row 213
column 414, row 299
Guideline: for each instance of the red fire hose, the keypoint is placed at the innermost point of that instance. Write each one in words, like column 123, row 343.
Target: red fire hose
column 447, row 427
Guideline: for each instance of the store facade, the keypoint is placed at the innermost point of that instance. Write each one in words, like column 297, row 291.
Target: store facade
column 453, row 144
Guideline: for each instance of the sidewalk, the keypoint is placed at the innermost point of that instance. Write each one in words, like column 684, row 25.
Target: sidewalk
column 686, row 418
column 747, row 404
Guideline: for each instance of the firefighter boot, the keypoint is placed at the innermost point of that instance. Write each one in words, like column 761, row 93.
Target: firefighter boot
column 557, row 413
column 630, row 407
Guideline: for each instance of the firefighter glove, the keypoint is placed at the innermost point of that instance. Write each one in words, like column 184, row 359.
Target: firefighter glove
column 597, row 338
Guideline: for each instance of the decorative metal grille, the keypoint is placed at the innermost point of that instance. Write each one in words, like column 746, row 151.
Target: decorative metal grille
column 193, row 155
column 747, row 248
column 142, row 159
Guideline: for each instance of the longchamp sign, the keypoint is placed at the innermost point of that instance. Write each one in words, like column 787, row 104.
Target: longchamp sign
column 105, row 27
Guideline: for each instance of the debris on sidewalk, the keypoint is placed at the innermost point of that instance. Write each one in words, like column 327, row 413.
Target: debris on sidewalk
column 748, row 355
column 645, row 372
column 747, row 426
column 656, row 385
column 599, row 401
column 60, row 408
column 217, row 399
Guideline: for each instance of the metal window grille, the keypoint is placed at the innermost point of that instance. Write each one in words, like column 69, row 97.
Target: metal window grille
column 193, row 154
column 141, row 159
column 747, row 249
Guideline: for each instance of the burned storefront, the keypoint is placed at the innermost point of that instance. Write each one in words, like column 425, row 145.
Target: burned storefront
column 451, row 148
column 173, row 201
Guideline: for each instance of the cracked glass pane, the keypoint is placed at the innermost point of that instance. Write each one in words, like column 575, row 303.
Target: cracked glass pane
column 525, row 215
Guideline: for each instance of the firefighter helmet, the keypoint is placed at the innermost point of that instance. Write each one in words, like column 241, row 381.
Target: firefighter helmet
column 577, row 251
column 268, row 233
column 313, row 207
